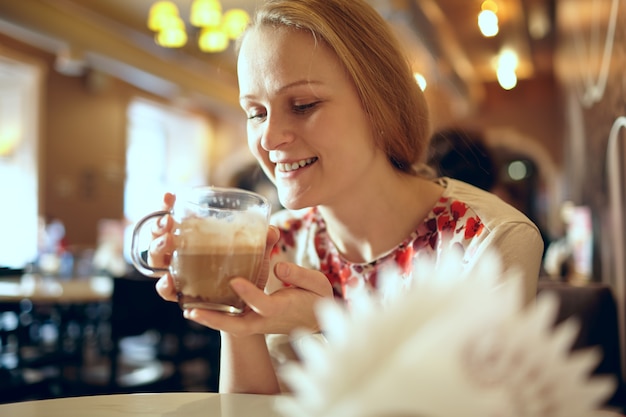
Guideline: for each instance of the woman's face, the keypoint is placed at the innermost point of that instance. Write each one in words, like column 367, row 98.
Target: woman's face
column 306, row 124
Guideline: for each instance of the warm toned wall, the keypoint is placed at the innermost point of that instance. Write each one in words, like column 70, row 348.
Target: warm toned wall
column 84, row 158
column 82, row 145
column 591, row 62
column 533, row 109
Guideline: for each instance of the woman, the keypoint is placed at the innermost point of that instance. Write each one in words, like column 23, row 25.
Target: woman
column 338, row 123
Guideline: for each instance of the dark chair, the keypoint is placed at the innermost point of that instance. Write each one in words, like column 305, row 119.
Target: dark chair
column 593, row 304
column 149, row 343
column 38, row 349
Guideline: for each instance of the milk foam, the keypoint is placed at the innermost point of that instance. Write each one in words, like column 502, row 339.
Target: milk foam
column 245, row 231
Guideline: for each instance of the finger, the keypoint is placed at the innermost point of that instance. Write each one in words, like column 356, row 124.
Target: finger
column 304, row 278
column 165, row 223
column 280, row 312
column 253, row 296
column 168, row 201
column 165, row 288
column 273, row 234
column 162, row 226
column 235, row 325
column 160, row 251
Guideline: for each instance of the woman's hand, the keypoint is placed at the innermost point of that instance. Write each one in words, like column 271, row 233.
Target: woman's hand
column 161, row 248
column 281, row 312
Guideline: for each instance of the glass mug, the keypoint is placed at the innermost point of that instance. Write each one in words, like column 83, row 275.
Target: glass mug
column 219, row 234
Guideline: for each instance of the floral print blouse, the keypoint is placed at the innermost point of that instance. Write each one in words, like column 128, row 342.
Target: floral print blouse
column 450, row 222
column 465, row 218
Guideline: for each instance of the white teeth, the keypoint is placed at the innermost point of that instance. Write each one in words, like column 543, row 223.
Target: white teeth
column 288, row 167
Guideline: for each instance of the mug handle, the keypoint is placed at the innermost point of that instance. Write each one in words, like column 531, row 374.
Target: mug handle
column 138, row 261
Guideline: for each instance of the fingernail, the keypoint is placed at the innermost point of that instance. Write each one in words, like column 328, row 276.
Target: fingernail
column 236, row 285
column 281, row 269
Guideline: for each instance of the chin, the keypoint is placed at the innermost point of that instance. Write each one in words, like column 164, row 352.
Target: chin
column 293, row 202
column 294, row 206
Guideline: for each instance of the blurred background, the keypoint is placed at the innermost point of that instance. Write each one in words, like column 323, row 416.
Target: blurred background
column 102, row 110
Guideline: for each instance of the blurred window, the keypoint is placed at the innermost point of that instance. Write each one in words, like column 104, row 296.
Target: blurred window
column 20, row 86
column 167, row 149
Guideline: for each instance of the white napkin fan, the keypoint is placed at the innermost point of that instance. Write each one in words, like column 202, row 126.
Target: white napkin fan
column 455, row 341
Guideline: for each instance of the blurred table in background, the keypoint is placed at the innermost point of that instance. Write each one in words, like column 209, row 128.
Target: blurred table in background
column 46, row 324
column 40, row 289
column 98, row 335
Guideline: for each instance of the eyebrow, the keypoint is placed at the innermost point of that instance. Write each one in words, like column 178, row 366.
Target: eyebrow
column 287, row 87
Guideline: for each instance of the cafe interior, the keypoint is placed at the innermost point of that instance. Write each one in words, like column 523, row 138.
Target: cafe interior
column 102, row 110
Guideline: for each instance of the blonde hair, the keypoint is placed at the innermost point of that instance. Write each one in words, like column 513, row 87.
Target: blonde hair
column 374, row 60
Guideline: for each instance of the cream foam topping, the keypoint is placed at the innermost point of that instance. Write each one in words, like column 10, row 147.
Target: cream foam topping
column 199, row 235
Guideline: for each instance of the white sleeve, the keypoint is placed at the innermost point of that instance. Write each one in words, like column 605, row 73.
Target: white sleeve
column 520, row 248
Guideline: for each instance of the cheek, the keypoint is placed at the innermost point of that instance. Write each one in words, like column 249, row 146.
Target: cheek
column 254, row 144
column 260, row 154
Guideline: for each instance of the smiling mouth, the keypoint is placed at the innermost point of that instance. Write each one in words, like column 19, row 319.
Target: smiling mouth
column 293, row 166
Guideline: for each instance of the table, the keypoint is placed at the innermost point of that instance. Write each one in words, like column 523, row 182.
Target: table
column 184, row 404
column 47, row 324
column 56, row 290
column 173, row 404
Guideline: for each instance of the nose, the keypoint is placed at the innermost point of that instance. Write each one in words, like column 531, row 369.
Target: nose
column 276, row 132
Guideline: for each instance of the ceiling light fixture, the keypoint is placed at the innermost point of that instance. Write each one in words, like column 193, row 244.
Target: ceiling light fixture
column 506, row 70
column 216, row 28
column 488, row 19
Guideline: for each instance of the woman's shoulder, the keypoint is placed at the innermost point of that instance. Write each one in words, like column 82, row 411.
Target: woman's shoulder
column 491, row 209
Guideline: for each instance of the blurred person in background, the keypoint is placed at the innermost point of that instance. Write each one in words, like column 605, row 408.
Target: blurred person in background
column 464, row 154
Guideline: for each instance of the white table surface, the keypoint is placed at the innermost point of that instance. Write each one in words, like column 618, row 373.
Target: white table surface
column 173, row 404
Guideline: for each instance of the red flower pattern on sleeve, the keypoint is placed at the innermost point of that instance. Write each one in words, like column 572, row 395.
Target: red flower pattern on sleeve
column 473, row 227
column 450, row 222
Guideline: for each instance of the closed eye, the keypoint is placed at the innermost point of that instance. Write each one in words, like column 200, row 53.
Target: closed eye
column 304, row 108
column 255, row 116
